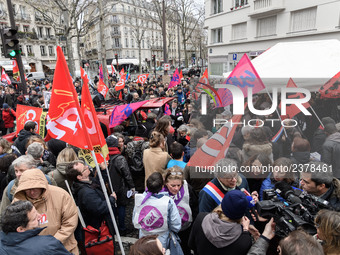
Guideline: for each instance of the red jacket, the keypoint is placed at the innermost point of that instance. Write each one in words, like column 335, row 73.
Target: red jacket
column 8, row 117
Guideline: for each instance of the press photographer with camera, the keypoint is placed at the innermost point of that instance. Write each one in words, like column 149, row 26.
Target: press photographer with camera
column 321, row 183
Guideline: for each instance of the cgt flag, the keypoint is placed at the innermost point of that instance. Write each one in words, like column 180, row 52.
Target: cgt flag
column 331, row 89
column 5, row 78
column 121, row 83
column 28, row 113
column 292, row 109
column 243, row 76
column 216, row 147
column 93, row 128
column 16, row 73
column 122, row 112
column 142, row 78
column 65, row 118
column 175, row 79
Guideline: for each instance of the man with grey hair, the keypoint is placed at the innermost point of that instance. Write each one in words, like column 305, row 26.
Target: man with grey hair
column 317, row 179
column 246, row 132
column 36, row 150
column 20, row 165
column 226, row 178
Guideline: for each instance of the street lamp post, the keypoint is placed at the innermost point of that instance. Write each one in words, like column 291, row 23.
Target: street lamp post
column 165, row 55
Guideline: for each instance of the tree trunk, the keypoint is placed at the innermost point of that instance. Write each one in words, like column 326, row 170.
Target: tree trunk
column 70, row 59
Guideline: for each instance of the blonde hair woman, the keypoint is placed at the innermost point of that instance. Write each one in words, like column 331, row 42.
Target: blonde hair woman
column 328, row 226
column 155, row 159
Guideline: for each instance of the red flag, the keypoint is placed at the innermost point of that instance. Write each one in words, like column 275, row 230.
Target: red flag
column 243, row 76
column 66, row 121
column 181, row 75
column 216, row 147
column 121, row 72
column 175, row 79
column 84, row 76
column 122, row 112
column 92, row 124
column 29, row 113
column 142, row 78
column 331, row 88
column 16, row 73
column 292, row 109
column 121, row 83
column 5, row 78
column 102, row 88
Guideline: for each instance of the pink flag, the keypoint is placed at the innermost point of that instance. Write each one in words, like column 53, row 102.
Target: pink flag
column 175, row 79
column 101, row 75
column 5, row 78
column 167, row 109
column 243, row 76
column 122, row 112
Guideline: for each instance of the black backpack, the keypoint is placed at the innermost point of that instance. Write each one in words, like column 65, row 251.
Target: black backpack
column 135, row 156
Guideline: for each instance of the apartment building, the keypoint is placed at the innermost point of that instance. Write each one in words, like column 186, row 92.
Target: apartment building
column 236, row 27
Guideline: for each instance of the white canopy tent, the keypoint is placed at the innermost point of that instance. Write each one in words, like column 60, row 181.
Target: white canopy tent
column 310, row 64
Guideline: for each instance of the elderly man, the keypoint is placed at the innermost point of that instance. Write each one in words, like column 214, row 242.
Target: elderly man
column 20, row 232
column 58, row 211
column 20, row 165
column 226, row 179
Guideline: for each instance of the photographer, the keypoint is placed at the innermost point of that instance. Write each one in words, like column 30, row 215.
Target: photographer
column 317, row 179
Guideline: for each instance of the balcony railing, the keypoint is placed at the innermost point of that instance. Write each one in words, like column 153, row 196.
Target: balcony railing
column 43, row 54
column 266, row 7
column 30, row 54
column 29, row 35
column 116, row 46
column 115, row 33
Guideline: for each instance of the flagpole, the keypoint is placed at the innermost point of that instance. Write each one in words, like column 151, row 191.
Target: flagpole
column 102, row 184
column 317, row 117
column 277, row 112
column 82, row 222
column 108, row 175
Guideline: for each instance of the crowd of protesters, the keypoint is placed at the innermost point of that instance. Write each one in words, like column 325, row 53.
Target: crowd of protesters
column 176, row 209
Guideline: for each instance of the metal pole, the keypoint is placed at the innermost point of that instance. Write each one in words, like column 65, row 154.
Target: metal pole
column 18, row 58
column 179, row 41
column 102, row 184
column 165, row 54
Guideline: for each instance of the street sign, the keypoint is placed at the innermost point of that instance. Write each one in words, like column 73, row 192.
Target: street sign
column 167, row 66
column 234, row 56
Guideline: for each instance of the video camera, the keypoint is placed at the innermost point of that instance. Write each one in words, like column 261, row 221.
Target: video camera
column 297, row 211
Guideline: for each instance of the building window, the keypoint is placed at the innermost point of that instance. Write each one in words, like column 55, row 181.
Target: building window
column 126, row 42
column 217, row 6
column 303, row 20
column 40, row 32
column 239, row 31
column 48, row 31
column 29, row 49
column 216, row 35
column 43, row 50
column 26, row 29
column 240, row 3
column 132, row 43
column 50, row 50
column 266, row 26
column 117, row 44
column 143, row 45
column 64, row 50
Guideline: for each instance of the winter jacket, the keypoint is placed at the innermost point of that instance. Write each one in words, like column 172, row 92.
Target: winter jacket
column 250, row 150
column 174, row 220
column 121, row 178
column 259, row 247
column 22, row 139
column 333, row 195
column 207, row 203
column 155, row 160
column 59, row 175
column 55, row 205
column 8, row 117
column 211, row 235
column 331, row 153
column 30, row 242
column 318, row 140
column 91, row 201
column 300, row 157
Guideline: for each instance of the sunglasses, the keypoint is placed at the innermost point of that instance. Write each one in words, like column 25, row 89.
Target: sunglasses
column 176, row 173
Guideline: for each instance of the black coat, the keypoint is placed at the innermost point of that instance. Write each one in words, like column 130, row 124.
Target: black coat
column 201, row 245
column 91, row 201
column 22, row 139
column 120, row 177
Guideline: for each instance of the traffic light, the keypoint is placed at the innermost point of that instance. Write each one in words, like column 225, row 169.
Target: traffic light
column 9, row 42
column 154, row 58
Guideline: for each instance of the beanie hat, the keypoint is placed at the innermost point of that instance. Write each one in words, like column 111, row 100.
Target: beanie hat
column 327, row 120
column 112, row 141
column 234, row 204
column 5, row 106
